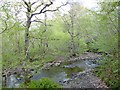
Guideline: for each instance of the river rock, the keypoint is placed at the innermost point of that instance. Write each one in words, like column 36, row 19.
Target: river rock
column 57, row 64
column 47, row 66
column 66, row 80
column 18, row 78
column 21, row 76
column 11, row 81
column 31, row 69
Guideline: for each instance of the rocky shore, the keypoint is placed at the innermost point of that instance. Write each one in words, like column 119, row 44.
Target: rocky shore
column 85, row 79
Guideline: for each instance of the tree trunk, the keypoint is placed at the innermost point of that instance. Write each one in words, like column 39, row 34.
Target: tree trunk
column 72, row 48
column 27, row 53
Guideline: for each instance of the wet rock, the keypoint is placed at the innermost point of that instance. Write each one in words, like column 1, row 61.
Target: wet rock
column 18, row 78
column 66, row 80
column 30, row 76
column 8, row 73
column 21, row 76
column 31, row 69
column 87, row 81
column 66, row 66
column 60, row 62
column 48, row 64
column 56, row 64
column 74, row 75
column 3, row 75
column 17, row 85
column 15, row 72
column 11, row 81
column 60, row 81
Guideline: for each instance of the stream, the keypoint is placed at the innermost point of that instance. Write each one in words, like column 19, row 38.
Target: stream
column 61, row 74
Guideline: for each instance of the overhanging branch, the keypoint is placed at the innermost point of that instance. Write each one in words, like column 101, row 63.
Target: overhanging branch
column 43, row 10
column 46, row 5
column 56, row 8
column 35, row 2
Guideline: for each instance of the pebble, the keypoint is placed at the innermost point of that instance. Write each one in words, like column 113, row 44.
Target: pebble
column 85, row 80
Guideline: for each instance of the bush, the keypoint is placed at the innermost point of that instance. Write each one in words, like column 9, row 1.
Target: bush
column 109, row 72
column 43, row 83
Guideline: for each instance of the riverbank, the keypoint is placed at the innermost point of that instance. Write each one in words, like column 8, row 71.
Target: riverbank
column 78, row 80
column 85, row 80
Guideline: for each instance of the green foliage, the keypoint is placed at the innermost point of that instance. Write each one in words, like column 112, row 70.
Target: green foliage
column 83, row 46
column 106, row 44
column 109, row 72
column 108, row 6
column 43, row 83
column 106, row 34
column 98, row 28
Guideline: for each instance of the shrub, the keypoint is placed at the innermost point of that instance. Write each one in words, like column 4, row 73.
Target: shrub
column 109, row 72
column 43, row 83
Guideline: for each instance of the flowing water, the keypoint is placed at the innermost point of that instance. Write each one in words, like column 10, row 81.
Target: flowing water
column 58, row 74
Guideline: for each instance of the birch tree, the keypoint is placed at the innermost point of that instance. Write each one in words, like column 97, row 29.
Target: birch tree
column 72, row 25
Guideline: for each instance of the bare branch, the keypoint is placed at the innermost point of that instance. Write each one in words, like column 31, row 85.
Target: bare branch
column 37, row 21
column 43, row 10
column 46, row 5
column 57, row 8
column 26, row 3
column 35, row 2
column 38, row 7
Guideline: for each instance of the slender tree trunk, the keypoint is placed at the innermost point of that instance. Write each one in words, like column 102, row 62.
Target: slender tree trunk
column 27, row 42
column 78, row 45
column 72, row 49
column 30, row 14
column 45, row 29
column 27, row 53
column 72, row 46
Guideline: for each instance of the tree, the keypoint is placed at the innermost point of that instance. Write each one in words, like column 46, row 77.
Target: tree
column 30, row 13
column 105, row 28
column 72, row 25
